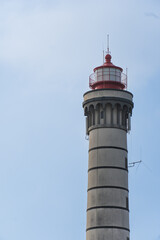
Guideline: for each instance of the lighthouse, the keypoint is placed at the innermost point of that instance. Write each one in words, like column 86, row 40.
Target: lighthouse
column 108, row 110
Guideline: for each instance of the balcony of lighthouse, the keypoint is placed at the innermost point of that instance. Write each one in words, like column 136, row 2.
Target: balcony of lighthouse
column 108, row 78
column 112, row 115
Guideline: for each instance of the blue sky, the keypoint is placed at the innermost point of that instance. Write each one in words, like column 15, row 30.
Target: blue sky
column 47, row 51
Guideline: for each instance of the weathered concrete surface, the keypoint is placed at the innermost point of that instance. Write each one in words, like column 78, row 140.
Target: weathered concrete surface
column 107, row 198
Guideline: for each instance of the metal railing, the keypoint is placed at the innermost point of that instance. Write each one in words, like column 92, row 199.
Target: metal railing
column 108, row 77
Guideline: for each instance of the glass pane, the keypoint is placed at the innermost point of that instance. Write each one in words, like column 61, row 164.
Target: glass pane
column 99, row 72
column 105, row 71
column 118, row 75
column 112, row 77
column 99, row 78
column 106, row 77
column 112, row 71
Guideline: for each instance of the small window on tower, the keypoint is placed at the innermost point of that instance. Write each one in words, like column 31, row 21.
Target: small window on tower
column 127, row 203
column 126, row 163
column 102, row 114
column 127, row 238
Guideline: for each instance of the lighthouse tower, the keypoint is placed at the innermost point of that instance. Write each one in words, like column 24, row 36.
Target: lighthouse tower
column 108, row 109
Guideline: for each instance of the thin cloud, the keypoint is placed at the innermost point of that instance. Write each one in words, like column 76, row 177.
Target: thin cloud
column 151, row 14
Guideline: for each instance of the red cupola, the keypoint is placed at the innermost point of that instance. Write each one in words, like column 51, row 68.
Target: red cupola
column 108, row 76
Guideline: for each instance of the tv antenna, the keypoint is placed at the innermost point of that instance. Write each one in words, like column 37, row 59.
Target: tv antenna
column 132, row 164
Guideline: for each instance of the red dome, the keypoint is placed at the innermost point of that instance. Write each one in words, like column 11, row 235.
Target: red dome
column 108, row 63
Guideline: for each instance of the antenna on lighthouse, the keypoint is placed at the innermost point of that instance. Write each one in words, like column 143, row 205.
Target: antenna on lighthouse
column 132, row 164
column 103, row 51
column 103, row 56
column 107, row 43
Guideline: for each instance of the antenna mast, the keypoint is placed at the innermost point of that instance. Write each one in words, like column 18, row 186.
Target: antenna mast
column 107, row 43
column 103, row 56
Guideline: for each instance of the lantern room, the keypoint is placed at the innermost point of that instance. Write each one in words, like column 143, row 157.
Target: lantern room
column 108, row 76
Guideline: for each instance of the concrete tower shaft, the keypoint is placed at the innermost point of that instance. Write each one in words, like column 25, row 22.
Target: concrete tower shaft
column 108, row 113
